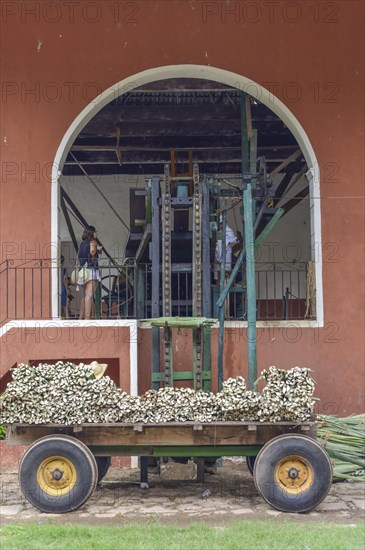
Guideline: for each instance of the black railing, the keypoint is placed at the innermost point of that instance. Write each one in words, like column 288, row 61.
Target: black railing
column 115, row 297
column 26, row 289
column 281, row 290
column 125, row 291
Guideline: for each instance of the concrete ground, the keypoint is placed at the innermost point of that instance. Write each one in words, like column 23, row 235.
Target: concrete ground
column 119, row 500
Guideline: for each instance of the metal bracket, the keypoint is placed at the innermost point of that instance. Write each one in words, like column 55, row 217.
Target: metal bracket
column 76, row 429
column 197, row 427
column 138, row 428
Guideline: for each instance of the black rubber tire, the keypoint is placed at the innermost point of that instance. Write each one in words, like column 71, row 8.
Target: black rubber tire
column 84, row 465
column 270, row 457
column 250, row 461
column 103, row 464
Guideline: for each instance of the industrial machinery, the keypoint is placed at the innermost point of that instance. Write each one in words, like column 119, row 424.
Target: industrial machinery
column 291, row 471
column 178, row 254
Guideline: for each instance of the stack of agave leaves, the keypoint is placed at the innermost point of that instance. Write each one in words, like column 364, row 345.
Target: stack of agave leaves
column 177, row 405
column 69, row 394
column 344, row 440
column 234, row 402
column 286, row 394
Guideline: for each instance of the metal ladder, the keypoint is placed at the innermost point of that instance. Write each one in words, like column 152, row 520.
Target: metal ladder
column 201, row 376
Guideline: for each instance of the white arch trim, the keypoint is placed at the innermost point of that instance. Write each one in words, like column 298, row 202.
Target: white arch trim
column 206, row 73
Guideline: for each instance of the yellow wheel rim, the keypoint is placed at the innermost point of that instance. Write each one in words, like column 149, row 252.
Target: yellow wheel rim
column 294, row 474
column 56, row 476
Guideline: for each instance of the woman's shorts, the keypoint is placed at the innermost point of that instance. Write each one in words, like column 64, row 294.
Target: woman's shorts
column 94, row 276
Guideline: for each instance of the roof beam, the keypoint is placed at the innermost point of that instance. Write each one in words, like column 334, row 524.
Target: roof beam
column 286, row 162
column 68, row 222
column 295, row 200
column 140, row 161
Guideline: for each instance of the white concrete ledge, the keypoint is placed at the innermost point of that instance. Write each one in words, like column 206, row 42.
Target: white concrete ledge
column 260, row 324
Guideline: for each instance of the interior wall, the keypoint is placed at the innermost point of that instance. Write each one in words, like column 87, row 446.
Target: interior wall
column 96, row 211
column 288, row 244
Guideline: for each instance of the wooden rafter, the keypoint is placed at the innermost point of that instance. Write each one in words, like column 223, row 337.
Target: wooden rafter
column 118, row 152
column 287, row 183
column 295, row 200
column 285, row 163
column 68, row 222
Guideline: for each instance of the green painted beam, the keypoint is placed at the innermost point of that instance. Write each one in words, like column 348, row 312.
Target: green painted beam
column 253, row 152
column 121, row 450
column 175, row 450
column 251, row 286
column 207, row 360
column 181, row 322
column 244, row 136
column 269, row 227
column 207, row 450
column 221, row 309
column 182, row 375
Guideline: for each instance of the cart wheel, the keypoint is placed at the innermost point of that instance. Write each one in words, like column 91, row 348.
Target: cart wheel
column 293, row 473
column 103, row 463
column 57, row 474
column 250, row 461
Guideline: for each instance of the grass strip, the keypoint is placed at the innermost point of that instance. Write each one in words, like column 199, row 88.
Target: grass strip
column 237, row 535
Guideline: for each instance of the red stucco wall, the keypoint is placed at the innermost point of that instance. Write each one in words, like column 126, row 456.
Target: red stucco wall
column 315, row 45
column 339, row 380
column 79, row 344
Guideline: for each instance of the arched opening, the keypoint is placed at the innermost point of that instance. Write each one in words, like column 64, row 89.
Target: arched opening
column 134, row 88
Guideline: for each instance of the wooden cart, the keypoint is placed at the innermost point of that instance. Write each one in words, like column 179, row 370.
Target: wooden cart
column 63, row 464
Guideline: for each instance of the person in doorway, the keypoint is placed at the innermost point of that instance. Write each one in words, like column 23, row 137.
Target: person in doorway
column 231, row 242
column 70, row 298
column 89, row 275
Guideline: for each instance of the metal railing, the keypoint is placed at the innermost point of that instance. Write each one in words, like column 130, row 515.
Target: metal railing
column 115, row 297
column 125, row 291
column 281, row 291
column 26, row 289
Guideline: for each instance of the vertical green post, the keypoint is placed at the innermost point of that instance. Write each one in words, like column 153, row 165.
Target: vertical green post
column 207, row 362
column 244, row 136
column 221, row 308
column 253, row 152
column 251, row 286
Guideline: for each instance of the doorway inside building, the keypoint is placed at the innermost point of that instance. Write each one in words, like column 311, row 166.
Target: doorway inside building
column 225, row 132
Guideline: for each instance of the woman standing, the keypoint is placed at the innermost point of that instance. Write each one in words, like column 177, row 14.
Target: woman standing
column 89, row 276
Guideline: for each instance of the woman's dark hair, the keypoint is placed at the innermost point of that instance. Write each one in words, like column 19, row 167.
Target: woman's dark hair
column 88, row 233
